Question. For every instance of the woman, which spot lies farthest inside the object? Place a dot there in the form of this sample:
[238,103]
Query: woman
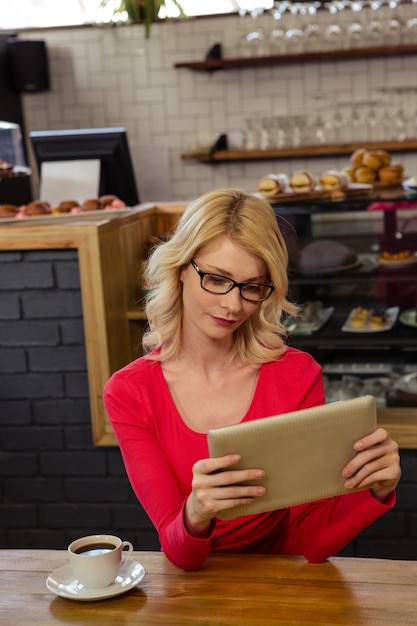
[216,355]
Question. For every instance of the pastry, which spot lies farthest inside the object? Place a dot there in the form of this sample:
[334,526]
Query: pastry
[384,157]
[391,174]
[365,175]
[272,184]
[359,317]
[378,319]
[399,257]
[38,208]
[107,200]
[302,182]
[334,180]
[7,210]
[116,204]
[356,157]
[375,159]
[93,204]
[323,254]
[66,205]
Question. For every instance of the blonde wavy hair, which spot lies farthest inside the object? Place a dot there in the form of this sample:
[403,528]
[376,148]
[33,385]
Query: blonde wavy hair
[249,222]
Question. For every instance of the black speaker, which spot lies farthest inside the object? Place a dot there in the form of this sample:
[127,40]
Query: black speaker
[29,64]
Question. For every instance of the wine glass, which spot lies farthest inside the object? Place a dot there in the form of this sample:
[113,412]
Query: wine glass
[411,30]
[312,30]
[277,35]
[251,135]
[295,33]
[255,38]
[266,134]
[373,117]
[395,27]
[334,33]
[355,30]
[375,27]
[280,132]
[318,123]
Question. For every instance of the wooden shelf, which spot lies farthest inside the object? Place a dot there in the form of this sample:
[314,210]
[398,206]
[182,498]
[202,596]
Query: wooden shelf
[213,65]
[136,314]
[304,151]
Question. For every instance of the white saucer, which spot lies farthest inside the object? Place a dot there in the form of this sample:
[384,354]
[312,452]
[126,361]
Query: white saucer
[62,583]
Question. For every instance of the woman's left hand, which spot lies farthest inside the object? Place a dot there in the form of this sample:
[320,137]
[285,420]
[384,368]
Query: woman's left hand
[376,465]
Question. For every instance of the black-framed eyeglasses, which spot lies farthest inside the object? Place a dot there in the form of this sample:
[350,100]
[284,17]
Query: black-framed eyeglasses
[219,285]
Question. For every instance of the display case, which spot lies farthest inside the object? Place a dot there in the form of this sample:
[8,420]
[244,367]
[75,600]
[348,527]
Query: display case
[382,362]
[358,314]
[111,249]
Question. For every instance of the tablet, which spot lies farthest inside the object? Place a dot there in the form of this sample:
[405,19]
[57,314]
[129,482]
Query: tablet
[302,452]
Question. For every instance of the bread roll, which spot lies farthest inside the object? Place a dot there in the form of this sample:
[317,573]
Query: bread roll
[302,182]
[8,210]
[93,204]
[371,160]
[359,317]
[38,208]
[272,184]
[66,205]
[357,156]
[384,157]
[107,200]
[365,175]
[333,180]
[391,174]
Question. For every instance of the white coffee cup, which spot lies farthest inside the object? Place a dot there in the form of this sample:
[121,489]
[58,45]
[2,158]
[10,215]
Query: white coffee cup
[96,559]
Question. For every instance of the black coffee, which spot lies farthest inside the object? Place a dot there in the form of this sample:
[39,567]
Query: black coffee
[95,548]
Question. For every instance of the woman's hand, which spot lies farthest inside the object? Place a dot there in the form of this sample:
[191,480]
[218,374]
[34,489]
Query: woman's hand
[376,466]
[216,487]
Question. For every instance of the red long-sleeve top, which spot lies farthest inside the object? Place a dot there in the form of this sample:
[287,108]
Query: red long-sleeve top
[159,450]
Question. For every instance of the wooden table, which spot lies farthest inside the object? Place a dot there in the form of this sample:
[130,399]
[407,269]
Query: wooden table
[236,590]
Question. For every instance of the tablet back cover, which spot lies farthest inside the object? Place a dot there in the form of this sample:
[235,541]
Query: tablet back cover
[302,452]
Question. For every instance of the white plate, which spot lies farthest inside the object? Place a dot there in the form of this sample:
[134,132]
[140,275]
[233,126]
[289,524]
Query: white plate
[409,317]
[391,313]
[408,383]
[410,183]
[62,583]
[394,264]
[300,328]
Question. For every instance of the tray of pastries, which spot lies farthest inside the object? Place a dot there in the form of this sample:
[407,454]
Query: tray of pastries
[39,211]
[374,167]
[397,259]
[303,186]
[370,320]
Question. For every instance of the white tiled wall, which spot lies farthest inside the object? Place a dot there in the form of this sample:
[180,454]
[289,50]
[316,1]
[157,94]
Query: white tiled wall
[115,77]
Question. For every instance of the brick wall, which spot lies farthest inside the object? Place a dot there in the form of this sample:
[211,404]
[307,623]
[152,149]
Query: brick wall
[54,484]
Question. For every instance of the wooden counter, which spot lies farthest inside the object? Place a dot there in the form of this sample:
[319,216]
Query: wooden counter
[237,590]
[110,247]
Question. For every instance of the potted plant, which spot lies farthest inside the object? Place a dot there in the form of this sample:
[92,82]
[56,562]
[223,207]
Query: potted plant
[139,11]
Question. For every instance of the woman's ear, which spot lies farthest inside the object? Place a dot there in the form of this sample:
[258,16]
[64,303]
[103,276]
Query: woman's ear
[182,273]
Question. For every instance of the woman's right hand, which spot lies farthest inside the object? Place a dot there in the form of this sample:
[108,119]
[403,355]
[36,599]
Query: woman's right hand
[216,487]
